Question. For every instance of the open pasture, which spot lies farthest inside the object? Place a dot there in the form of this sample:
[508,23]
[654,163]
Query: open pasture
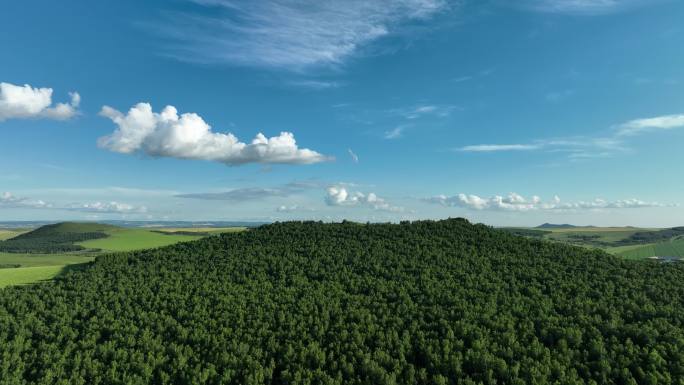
[24,275]
[10,233]
[674,248]
[127,239]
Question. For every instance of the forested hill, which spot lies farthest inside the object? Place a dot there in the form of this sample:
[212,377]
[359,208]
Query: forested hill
[56,238]
[309,303]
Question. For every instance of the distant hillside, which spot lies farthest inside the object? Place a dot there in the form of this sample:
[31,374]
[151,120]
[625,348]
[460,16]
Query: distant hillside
[57,238]
[139,224]
[558,226]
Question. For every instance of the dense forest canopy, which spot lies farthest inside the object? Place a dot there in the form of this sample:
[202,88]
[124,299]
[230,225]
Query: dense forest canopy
[309,303]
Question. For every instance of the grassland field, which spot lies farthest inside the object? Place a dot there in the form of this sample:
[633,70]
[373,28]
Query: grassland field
[608,238]
[11,233]
[40,267]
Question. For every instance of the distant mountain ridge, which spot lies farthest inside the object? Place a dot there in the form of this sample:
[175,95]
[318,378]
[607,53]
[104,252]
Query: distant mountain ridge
[559,226]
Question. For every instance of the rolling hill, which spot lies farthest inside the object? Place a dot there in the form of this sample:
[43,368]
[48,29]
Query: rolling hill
[28,256]
[56,238]
[427,302]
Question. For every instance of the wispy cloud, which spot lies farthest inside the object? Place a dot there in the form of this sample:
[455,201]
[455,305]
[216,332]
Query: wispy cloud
[589,147]
[499,147]
[395,133]
[254,193]
[641,126]
[188,136]
[516,202]
[106,208]
[423,110]
[352,154]
[294,209]
[25,102]
[289,34]
[315,84]
[559,96]
[480,74]
[579,7]
[576,148]
[11,201]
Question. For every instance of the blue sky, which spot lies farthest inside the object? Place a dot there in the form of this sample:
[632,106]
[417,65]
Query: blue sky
[504,112]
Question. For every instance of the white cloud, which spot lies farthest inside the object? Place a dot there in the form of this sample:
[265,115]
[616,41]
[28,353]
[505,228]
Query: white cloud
[188,136]
[579,7]
[516,202]
[640,126]
[340,196]
[23,102]
[289,34]
[106,207]
[10,201]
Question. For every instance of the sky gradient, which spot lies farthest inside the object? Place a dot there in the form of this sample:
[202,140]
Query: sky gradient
[503,112]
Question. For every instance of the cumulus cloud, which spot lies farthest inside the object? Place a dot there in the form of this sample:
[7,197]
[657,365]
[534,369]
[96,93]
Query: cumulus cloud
[23,102]
[289,34]
[516,202]
[106,207]
[188,136]
[11,201]
[640,126]
[340,196]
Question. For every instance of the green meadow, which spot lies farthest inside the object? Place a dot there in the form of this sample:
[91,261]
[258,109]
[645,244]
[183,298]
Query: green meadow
[24,275]
[10,233]
[611,239]
[135,239]
[25,268]
[673,248]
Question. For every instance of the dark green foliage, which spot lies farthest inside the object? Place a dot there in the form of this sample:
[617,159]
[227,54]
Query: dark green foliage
[527,232]
[584,237]
[309,303]
[57,238]
[9,265]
